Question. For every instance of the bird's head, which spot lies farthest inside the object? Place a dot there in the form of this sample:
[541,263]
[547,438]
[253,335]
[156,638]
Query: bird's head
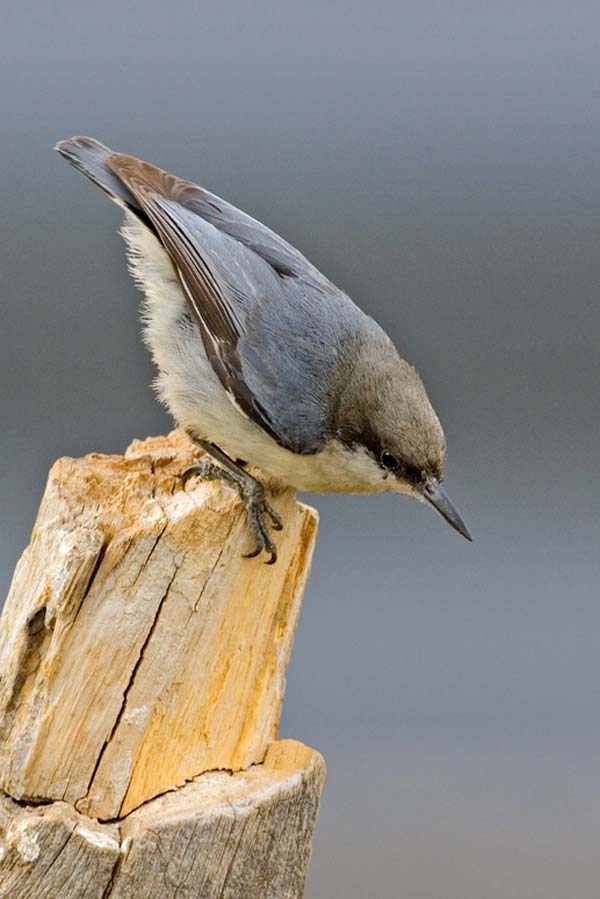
[386,420]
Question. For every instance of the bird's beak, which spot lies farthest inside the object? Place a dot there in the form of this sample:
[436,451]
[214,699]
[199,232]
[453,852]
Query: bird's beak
[434,493]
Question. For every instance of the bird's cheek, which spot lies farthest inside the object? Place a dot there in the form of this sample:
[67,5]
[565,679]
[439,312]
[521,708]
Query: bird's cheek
[401,486]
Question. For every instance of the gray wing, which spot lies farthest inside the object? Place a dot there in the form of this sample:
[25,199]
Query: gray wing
[285,259]
[271,324]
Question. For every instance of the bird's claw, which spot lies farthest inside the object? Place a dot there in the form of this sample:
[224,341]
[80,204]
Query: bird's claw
[257,510]
[191,472]
[276,520]
[207,470]
[252,494]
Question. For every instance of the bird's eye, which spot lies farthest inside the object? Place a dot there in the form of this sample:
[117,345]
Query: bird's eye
[389,461]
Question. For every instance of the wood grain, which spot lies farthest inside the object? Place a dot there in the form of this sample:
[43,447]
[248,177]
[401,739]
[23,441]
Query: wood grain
[138,649]
[221,836]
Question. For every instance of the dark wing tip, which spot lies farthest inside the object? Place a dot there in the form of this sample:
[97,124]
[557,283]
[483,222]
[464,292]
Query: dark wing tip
[72,147]
[92,159]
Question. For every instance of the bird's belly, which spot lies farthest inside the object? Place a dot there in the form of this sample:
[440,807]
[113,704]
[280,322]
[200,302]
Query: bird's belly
[192,391]
[199,403]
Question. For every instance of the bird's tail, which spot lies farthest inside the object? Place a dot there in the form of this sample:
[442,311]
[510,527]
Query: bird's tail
[89,156]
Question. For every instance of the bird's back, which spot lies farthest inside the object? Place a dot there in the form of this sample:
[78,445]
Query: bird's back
[271,324]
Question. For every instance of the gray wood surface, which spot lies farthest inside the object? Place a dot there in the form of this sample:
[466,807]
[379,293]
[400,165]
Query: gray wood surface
[221,836]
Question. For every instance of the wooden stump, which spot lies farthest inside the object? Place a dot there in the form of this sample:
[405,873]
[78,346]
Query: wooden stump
[142,672]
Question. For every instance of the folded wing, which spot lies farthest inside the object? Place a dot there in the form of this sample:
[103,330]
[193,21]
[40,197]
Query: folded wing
[270,322]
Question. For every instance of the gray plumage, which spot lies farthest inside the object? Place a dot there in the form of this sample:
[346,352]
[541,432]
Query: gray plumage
[315,392]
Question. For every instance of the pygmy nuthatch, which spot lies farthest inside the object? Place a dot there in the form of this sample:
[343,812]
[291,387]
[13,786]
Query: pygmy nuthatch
[260,358]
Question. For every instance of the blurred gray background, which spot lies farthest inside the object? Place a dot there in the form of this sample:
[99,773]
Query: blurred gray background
[441,162]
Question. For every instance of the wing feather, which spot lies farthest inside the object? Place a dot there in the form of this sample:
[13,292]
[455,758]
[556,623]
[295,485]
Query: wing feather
[208,294]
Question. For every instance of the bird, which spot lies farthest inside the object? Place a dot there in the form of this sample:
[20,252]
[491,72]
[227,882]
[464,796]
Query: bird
[260,358]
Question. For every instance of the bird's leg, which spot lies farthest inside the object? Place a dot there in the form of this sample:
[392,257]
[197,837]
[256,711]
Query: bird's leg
[251,491]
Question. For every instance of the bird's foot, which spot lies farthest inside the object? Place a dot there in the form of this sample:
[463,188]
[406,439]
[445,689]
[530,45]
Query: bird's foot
[253,495]
[208,471]
[258,510]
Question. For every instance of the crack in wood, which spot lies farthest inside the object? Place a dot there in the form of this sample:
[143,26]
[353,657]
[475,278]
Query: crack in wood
[180,664]
[134,671]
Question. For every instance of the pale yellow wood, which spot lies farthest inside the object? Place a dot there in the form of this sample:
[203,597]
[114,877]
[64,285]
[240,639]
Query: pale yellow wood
[221,836]
[137,648]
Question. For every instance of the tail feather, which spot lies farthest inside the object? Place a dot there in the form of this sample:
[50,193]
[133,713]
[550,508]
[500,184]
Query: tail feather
[89,157]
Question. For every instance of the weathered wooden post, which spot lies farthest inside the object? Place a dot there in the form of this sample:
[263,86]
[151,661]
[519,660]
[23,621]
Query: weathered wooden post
[142,672]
